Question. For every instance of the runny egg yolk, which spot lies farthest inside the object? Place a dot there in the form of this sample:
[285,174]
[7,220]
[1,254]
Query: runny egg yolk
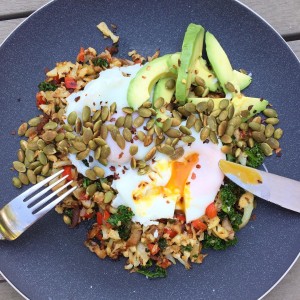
[175,187]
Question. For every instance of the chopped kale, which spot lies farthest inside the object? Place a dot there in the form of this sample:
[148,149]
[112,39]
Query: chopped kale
[100,62]
[152,273]
[86,182]
[216,243]
[122,221]
[47,86]
[255,156]
[68,212]
[187,248]
[162,243]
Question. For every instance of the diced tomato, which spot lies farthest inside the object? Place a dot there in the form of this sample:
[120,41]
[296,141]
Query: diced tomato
[211,210]
[99,218]
[68,172]
[99,236]
[165,263]
[154,249]
[88,216]
[170,232]
[180,217]
[39,99]
[70,83]
[80,56]
[84,196]
[199,225]
[106,215]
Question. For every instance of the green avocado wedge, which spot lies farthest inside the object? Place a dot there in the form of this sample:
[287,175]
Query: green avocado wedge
[221,64]
[242,80]
[240,103]
[161,90]
[141,85]
[191,50]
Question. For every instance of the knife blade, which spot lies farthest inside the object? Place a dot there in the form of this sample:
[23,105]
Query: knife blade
[274,188]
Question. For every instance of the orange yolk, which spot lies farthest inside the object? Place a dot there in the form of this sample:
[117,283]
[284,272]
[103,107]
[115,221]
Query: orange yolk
[181,172]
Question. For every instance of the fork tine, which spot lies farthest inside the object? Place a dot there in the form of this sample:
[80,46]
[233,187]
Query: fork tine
[42,192]
[37,186]
[47,208]
[43,201]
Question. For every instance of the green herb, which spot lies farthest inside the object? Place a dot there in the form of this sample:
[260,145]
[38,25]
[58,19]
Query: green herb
[86,162]
[162,243]
[68,212]
[86,182]
[100,62]
[216,243]
[122,220]
[187,248]
[255,156]
[47,86]
[157,272]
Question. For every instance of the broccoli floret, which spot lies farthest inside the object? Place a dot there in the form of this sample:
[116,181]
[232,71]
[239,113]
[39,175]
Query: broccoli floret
[255,156]
[216,243]
[47,86]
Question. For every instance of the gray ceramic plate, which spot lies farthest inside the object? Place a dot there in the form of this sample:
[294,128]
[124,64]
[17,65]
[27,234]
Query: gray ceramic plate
[50,261]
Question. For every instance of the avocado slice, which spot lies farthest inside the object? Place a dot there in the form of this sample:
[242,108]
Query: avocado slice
[191,50]
[243,80]
[160,90]
[240,103]
[220,64]
[141,85]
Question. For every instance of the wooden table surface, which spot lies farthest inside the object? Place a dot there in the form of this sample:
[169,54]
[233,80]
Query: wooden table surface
[283,15]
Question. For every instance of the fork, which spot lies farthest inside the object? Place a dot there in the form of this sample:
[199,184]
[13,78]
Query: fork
[20,213]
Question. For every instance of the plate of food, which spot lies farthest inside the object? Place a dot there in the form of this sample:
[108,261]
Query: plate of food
[138,109]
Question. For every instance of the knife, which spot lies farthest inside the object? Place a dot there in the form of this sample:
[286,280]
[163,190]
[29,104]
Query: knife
[276,189]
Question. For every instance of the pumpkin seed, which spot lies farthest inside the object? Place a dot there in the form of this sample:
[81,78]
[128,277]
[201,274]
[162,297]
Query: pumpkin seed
[87,135]
[159,102]
[138,122]
[201,106]
[97,126]
[204,134]
[229,130]
[105,151]
[167,124]
[254,126]
[133,150]
[104,113]
[144,112]
[262,128]
[103,161]
[30,155]
[60,136]
[210,105]
[258,136]
[231,111]
[144,171]
[185,130]
[230,87]
[273,143]
[200,81]
[244,126]
[272,121]
[216,112]
[159,140]
[212,123]
[103,132]
[183,111]
[68,127]
[127,134]
[141,135]
[128,121]
[147,104]
[222,128]
[224,104]
[133,163]
[92,145]
[52,158]
[226,149]
[241,144]
[205,93]
[96,116]
[150,123]
[49,136]
[278,133]
[148,140]
[63,147]
[158,130]
[257,119]
[198,125]
[176,122]
[113,108]
[226,139]
[267,150]
[67,220]
[176,114]
[99,172]
[168,141]
[150,153]
[99,141]
[31,176]
[31,132]
[177,153]
[21,155]
[80,146]
[45,169]
[120,121]
[235,121]
[90,174]
[188,139]
[17,182]
[223,115]
[170,84]
[19,166]
[270,113]
[78,126]
[34,165]
[166,149]
[23,178]
[22,129]
[83,154]
[173,133]
[38,170]
[108,197]
[39,178]
[97,153]
[199,90]
[86,113]
[245,113]
[175,142]
[190,121]
[269,130]
[237,152]
[52,125]
[120,140]
[190,107]
[23,145]
[127,110]
[42,158]
[34,122]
